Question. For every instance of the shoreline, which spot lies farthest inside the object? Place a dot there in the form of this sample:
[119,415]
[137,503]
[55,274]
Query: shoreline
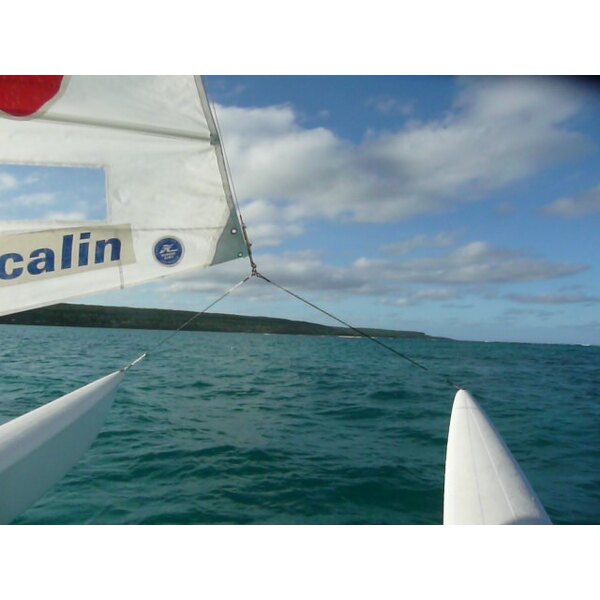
[122,317]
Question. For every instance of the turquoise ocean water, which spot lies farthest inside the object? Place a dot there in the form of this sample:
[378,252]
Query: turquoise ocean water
[250,428]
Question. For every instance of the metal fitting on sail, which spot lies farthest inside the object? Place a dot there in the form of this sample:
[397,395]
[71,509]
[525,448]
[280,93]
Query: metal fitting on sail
[214,139]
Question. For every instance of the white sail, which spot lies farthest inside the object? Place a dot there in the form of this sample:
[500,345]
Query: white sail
[169,203]
[169,210]
[38,448]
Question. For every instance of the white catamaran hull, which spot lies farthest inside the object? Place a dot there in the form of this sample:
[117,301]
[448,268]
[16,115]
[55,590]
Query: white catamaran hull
[38,448]
[484,484]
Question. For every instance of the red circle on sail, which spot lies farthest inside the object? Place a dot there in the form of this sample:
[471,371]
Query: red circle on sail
[24,95]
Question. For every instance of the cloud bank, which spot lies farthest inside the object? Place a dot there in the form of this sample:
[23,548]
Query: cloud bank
[463,270]
[498,132]
[580,205]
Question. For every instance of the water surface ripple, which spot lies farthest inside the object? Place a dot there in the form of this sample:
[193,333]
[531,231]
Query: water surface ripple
[249,428]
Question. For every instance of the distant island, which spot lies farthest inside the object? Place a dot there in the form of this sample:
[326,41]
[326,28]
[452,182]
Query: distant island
[85,315]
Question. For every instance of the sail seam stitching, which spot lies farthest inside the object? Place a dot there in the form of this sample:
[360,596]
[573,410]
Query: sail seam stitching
[117,126]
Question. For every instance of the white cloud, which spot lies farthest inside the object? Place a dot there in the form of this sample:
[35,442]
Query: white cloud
[467,269]
[389,105]
[16,206]
[518,313]
[273,159]
[8,182]
[269,223]
[505,208]
[436,294]
[37,199]
[585,203]
[422,241]
[500,131]
[559,298]
[473,263]
[65,216]
[223,88]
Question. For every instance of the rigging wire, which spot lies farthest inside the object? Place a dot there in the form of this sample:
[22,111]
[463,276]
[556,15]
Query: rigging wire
[256,273]
[190,320]
[359,331]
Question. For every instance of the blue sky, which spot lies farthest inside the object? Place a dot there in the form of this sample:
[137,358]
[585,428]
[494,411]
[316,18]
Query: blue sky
[463,207]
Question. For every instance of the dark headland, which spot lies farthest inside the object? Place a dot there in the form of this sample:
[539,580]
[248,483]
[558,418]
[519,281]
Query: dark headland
[84,315]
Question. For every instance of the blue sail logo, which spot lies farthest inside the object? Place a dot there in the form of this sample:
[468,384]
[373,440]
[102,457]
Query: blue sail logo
[39,255]
[168,251]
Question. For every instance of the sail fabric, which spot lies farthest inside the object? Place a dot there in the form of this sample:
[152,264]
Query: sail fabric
[169,202]
[38,448]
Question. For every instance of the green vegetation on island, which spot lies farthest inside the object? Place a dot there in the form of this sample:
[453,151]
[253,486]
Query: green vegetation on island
[84,315]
